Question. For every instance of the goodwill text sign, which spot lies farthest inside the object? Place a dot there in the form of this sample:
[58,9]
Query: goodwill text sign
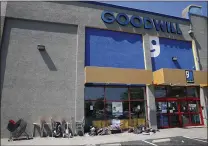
[138,22]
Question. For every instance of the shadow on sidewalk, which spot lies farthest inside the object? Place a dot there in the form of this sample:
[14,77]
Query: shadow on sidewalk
[22,138]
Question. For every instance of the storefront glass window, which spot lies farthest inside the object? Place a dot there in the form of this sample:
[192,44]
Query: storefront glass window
[160,92]
[121,111]
[180,107]
[174,120]
[104,104]
[94,109]
[137,109]
[94,93]
[193,106]
[162,107]
[192,92]
[185,119]
[172,107]
[116,93]
[94,113]
[184,106]
[136,93]
[195,119]
[176,92]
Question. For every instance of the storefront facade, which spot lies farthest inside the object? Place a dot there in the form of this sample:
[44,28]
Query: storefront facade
[100,62]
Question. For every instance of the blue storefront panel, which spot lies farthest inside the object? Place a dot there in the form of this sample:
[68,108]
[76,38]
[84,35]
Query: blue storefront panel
[169,48]
[106,48]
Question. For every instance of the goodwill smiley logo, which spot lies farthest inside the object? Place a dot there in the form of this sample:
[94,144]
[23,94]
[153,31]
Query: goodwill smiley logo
[154,46]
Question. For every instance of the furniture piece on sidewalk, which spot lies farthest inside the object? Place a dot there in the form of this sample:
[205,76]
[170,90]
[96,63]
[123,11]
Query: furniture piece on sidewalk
[116,126]
[37,125]
[59,120]
[67,127]
[42,123]
[80,126]
[17,129]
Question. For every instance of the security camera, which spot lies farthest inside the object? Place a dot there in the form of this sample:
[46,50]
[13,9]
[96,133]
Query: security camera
[191,33]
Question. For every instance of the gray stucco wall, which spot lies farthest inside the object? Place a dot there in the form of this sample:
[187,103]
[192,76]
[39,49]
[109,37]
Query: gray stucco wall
[84,14]
[151,109]
[199,24]
[3,13]
[37,83]
[42,84]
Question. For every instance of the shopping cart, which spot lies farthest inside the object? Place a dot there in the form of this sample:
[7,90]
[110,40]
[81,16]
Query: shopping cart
[17,129]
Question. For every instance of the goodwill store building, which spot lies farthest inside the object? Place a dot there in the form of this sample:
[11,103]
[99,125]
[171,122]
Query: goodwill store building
[99,62]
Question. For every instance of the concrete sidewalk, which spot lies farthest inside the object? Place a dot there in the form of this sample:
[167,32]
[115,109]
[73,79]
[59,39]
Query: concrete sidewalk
[192,132]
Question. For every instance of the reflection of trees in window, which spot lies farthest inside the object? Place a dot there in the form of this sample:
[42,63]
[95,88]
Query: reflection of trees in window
[137,93]
[124,95]
[137,109]
[102,106]
[116,93]
[99,103]
[97,110]
[93,93]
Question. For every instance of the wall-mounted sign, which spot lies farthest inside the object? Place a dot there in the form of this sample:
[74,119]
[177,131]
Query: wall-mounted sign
[138,22]
[189,76]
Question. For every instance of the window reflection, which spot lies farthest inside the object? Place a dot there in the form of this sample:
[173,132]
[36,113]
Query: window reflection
[195,119]
[172,107]
[94,93]
[160,92]
[136,93]
[174,120]
[116,93]
[176,92]
[192,92]
[137,109]
[94,109]
[100,103]
[185,119]
[161,107]
[162,120]
[184,106]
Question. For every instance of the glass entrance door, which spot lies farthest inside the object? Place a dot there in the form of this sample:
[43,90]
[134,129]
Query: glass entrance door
[174,112]
[190,112]
[168,113]
[178,106]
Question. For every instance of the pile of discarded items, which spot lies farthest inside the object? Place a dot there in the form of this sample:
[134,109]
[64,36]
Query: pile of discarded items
[112,129]
[141,129]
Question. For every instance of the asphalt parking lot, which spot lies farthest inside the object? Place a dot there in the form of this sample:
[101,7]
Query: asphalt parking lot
[172,141]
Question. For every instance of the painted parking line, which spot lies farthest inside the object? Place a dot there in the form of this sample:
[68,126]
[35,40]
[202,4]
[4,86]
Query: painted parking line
[149,142]
[161,140]
[195,139]
[113,144]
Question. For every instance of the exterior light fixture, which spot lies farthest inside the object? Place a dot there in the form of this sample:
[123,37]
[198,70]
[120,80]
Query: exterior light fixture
[174,58]
[41,47]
